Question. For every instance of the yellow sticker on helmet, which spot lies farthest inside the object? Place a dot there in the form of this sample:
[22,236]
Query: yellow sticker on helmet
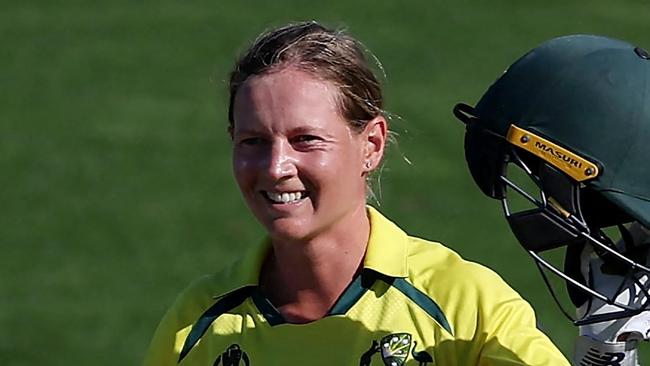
[570,163]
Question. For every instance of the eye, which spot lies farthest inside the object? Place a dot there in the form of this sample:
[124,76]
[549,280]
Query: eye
[252,141]
[305,139]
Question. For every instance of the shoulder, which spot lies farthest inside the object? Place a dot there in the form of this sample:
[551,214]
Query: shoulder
[239,273]
[204,291]
[199,293]
[479,305]
[465,290]
[190,303]
[431,264]
[172,331]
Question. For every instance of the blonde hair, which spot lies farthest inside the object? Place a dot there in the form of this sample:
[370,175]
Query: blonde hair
[327,54]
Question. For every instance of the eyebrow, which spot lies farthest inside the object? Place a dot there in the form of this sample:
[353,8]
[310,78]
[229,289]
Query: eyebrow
[310,129]
[245,131]
[296,130]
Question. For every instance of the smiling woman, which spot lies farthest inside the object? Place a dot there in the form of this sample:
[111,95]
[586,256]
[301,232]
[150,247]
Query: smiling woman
[335,282]
[298,163]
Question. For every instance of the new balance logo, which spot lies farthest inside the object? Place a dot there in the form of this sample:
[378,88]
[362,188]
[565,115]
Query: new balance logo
[594,358]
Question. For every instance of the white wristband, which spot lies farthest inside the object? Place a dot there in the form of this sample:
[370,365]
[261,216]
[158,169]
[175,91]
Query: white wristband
[591,352]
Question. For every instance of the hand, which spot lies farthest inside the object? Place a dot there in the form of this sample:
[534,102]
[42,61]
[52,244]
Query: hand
[618,281]
[609,334]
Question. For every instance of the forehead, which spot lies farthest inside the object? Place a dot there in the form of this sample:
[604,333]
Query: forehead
[286,97]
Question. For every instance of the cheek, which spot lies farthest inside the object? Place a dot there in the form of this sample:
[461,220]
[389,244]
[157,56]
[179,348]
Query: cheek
[241,168]
[337,170]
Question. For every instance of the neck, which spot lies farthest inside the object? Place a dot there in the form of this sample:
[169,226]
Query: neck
[304,279]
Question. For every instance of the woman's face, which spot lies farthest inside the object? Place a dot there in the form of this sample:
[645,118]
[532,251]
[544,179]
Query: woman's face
[297,163]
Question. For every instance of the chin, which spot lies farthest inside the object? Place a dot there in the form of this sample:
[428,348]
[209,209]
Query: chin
[286,229]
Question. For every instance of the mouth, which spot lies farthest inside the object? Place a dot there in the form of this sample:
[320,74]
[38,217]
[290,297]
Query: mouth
[287,197]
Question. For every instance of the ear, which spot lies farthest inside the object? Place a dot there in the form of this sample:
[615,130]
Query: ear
[374,136]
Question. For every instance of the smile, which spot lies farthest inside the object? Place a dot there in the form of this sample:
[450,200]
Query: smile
[285,197]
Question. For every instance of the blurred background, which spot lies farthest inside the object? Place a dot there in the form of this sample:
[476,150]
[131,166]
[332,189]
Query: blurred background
[115,183]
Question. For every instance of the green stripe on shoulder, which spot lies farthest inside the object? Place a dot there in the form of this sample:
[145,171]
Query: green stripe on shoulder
[223,304]
[423,301]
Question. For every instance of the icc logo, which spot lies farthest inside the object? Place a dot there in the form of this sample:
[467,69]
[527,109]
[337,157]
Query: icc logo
[232,356]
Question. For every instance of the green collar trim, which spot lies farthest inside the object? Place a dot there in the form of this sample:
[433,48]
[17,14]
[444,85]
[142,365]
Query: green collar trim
[355,290]
[270,313]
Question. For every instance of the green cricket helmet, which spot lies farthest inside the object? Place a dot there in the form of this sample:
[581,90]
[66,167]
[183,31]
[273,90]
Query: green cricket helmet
[574,114]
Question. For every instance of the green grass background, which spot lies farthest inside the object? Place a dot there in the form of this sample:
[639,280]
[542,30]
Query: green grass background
[115,181]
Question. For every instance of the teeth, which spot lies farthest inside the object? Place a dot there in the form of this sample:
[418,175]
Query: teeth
[284,197]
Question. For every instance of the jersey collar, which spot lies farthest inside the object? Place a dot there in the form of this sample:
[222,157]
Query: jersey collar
[386,253]
[387,250]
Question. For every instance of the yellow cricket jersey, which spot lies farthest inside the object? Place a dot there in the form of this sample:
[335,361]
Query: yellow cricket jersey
[415,303]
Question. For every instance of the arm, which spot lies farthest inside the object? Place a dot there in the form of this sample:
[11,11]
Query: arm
[506,329]
[514,339]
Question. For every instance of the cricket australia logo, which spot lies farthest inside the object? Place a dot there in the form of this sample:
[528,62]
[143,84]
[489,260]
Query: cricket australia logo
[395,350]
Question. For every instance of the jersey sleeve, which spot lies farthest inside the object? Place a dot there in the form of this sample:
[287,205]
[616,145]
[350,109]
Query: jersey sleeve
[515,340]
[492,325]
[510,332]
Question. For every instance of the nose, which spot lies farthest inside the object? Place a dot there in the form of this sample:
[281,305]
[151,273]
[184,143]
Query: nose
[282,160]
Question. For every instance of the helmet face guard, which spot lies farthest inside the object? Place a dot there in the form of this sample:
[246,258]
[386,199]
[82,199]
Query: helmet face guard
[564,213]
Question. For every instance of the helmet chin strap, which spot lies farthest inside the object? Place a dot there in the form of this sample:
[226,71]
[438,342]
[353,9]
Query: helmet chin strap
[556,222]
